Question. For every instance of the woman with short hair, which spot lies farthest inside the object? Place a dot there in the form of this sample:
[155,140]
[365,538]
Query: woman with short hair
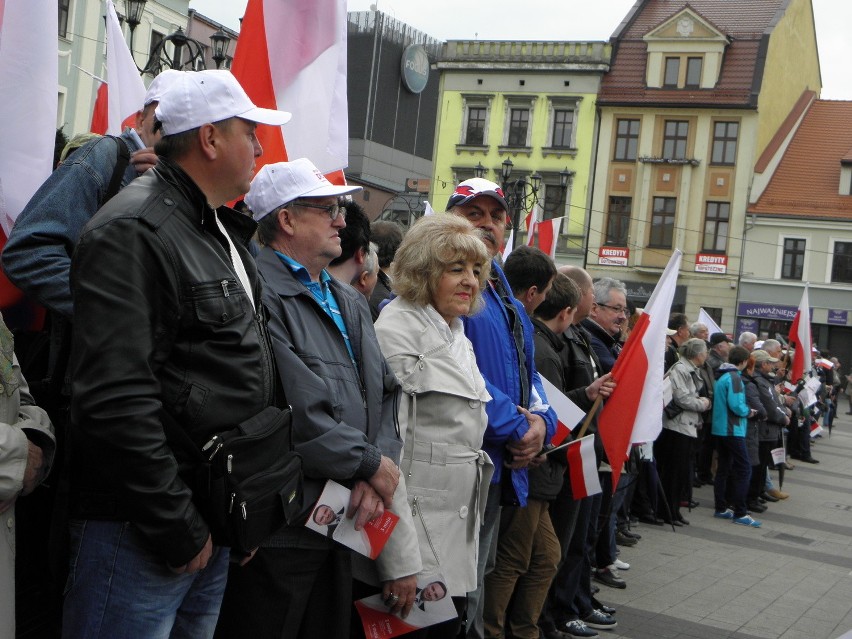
[438,273]
[674,446]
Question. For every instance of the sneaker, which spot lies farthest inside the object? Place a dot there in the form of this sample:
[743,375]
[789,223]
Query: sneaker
[597,605]
[577,628]
[599,620]
[621,565]
[747,520]
[608,578]
[725,514]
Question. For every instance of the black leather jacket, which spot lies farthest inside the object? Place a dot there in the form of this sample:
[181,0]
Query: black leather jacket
[160,323]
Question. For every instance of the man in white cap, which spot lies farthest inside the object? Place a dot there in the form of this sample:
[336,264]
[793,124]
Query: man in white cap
[37,259]
[299,584]
[168,337]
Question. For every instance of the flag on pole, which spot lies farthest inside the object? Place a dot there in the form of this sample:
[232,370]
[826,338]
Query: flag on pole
[568,414]
[548,236]
[800,338]
[291,55]
[704,318]
[126,91]
[29,76]
[100,114]
[583,468]
[510,241]
[532,226]
[634,411]
[427,209]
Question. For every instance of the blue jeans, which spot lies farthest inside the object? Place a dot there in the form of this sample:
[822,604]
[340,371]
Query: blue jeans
[117,588]
[484,562]
[733,473]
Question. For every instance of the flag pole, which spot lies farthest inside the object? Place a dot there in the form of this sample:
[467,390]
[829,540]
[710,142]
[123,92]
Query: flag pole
[589,416]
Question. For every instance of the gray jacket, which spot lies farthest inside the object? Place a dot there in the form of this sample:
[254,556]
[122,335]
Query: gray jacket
[344,417]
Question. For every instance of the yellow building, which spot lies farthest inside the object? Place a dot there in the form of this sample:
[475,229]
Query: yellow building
[533,104]
[695,92]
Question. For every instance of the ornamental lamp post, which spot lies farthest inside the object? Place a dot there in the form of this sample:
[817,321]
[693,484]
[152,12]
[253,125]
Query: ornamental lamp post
[219,42]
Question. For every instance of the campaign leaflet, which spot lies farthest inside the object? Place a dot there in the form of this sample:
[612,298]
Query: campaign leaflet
[329,518]
[431,606]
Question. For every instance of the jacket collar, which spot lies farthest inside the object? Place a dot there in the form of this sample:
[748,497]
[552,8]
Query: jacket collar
[544,330]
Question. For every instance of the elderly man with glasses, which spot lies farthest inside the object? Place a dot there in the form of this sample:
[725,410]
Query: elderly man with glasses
[300,584]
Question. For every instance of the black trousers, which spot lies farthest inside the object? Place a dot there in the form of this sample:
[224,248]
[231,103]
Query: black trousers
[673,451]
[289,593]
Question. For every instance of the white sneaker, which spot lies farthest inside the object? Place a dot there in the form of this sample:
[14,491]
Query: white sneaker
[621,565]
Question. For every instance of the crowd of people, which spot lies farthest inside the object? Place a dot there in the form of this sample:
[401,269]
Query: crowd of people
[412,365]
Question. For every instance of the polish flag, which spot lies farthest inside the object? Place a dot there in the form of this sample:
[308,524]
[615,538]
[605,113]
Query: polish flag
[583,468]
[126,92]
[100,114]
[29,76]
[800,339]
[704,318]
[532,226]
[548,235]
[291,55]
[634,411]
[507,249]
[568,414]
[816,429]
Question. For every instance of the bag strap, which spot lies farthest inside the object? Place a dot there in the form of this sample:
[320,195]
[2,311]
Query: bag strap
[122,160]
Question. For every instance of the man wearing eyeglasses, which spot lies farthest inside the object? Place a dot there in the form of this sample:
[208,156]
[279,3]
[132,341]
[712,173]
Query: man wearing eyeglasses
[299,584]
[607,317]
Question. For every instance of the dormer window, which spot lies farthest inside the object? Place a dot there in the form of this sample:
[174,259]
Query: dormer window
[684,52]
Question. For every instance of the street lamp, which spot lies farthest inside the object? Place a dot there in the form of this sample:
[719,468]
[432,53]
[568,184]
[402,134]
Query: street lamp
[521,194]
[134,10]
[479,171]
[219,42]
[161,59]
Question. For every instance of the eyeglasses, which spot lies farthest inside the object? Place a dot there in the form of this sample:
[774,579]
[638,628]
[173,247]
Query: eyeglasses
[334,210]
[618,310]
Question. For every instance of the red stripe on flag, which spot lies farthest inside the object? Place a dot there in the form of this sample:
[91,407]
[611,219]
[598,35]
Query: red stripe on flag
[615,422]
[562,431]
[575,471]
[251,68]
[100,114]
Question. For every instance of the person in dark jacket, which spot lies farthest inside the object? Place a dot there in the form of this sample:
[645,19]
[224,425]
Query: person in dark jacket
[343,396]
[167,319]
[570,604]
[387,236]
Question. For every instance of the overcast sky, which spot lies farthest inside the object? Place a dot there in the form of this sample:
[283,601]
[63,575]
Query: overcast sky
[566,20]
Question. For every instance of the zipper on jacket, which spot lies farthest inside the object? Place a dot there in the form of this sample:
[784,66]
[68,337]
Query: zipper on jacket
[224,284]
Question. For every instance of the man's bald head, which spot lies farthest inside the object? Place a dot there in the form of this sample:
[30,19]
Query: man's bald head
[587,292]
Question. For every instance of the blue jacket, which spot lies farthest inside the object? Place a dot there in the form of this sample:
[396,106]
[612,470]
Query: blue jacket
[730,408]
[489,332]
[37,256]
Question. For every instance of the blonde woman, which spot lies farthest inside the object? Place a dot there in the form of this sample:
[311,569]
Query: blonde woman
[438,272]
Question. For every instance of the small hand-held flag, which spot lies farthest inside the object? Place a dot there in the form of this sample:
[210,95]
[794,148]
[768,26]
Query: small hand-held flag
[583,468]
[568,414]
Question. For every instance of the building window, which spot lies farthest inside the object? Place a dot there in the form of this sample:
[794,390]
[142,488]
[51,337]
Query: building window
[662,222]
[841,266]
[716,227]
[618,221]
[519,123]
[674,139]
[693,73]
[725,142]
[554,202]
[793,259]
[64,9]
[672,72]
[563,128]
[475,132]
[156,39]
[626,140]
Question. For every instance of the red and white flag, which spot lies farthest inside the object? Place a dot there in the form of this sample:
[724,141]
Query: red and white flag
[510,241]
[29,77]
[568,414]
[126,91]
[583,468]
[291,55]
[532,226]
[800,339]
[634,411]
[548,235]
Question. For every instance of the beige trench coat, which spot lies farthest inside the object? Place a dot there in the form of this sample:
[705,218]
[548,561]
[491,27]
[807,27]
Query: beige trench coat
[17,416]
[442,421]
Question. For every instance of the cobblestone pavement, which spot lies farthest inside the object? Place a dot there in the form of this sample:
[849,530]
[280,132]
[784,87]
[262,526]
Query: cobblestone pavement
[790,579]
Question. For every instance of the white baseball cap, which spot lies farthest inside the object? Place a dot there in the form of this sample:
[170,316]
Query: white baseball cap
[283,182]
[202,97]
[160,84]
